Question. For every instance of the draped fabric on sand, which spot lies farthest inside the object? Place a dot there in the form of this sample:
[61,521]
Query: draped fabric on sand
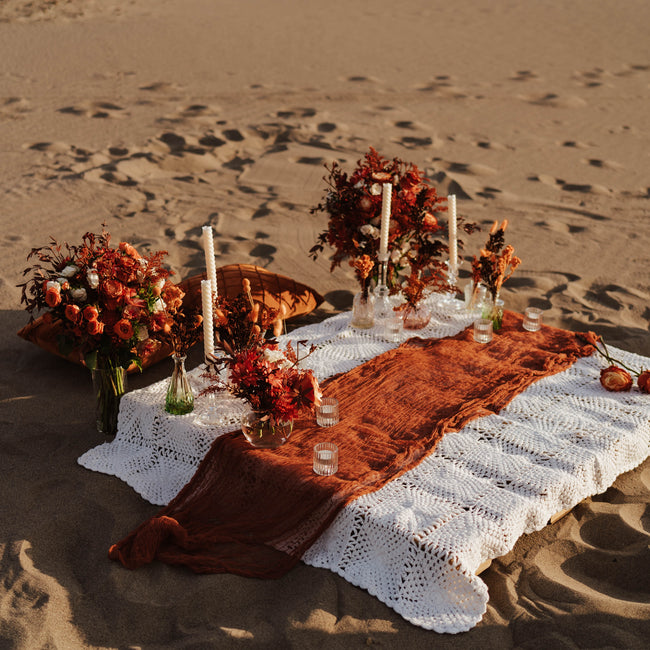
[255,512]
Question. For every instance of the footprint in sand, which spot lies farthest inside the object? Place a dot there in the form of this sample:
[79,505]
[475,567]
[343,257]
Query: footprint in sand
[14,108]
[524,75]
[553,100]
[412,142]
[95,110]
[471,169]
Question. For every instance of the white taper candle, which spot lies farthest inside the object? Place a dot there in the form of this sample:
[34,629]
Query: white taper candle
[208,318]
[208,247]
[453,233]
[386,196]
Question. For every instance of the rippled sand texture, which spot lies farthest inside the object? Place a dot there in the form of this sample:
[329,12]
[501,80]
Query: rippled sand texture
[160,116]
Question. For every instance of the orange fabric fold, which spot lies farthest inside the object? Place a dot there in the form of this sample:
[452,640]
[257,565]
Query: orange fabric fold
[255,512]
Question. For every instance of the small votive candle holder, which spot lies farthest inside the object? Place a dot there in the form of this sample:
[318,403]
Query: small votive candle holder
[327,413]
[392,328]
[532,319]
[326,458]
[482,330]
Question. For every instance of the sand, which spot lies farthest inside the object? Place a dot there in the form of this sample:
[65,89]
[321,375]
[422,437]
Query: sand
[160,116]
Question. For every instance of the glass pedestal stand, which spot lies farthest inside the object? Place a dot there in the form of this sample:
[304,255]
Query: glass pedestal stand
[212,415]
[448,299]
[383,306]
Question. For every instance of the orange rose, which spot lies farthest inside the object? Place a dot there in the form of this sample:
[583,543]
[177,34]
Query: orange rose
[72,312]
[173,296]
[643,381]
[129,250]
[112,288]
[123,329]
[53,298]
[429,221]
[94,327]
[616,379]
[308,390]
[90,312]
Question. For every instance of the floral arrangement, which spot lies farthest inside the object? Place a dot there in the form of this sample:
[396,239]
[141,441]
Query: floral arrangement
[617,377]
[259,372]
[107,299]
[182,328]
[353,204]
[494,265]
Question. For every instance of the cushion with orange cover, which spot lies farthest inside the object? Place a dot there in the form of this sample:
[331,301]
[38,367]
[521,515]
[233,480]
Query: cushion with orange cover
[270,289]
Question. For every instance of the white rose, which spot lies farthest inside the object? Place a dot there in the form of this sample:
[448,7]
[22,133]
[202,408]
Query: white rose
[358,185]
[375,189]
[93,278]
[159,305]
[142,332]
[275,356]
[369,231]
[53,284]
[69,271]
[79,295]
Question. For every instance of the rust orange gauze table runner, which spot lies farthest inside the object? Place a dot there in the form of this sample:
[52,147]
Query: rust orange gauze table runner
[255,512]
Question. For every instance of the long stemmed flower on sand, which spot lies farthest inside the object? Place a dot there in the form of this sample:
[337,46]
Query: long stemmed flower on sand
[617,377]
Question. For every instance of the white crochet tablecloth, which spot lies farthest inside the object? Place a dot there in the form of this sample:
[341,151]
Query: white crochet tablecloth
[417,542]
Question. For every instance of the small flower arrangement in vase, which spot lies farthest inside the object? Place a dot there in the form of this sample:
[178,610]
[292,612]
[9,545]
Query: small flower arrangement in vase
[181,329]
[416,237]
[106,302]
[259,372]
[495,264]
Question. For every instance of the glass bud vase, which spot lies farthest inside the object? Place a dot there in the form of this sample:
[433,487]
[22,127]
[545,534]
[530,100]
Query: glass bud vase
[363,310]
[493,310]
[109,384]
[179,399]
[263,431]
[416,317]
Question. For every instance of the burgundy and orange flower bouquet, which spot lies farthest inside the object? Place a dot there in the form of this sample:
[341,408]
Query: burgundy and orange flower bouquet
[108,304]
[268,378]
[417,240]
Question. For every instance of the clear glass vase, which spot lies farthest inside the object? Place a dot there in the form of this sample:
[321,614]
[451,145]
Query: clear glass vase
[363,310]
[109,384]
[263,431]
[416,317]
[493,310]
[179,399]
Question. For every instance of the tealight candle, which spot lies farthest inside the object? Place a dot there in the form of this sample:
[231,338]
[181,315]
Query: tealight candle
[386,196]
[208,247]
[208,331]
[453,234]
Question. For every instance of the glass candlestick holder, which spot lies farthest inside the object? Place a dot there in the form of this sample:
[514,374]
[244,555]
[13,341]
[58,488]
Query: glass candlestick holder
[448,299]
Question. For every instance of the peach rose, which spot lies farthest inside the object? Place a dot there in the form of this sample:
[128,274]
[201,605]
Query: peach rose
[72,312]
[643,382]
[53,297]
[616,379]
[123,329]
[94,327]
